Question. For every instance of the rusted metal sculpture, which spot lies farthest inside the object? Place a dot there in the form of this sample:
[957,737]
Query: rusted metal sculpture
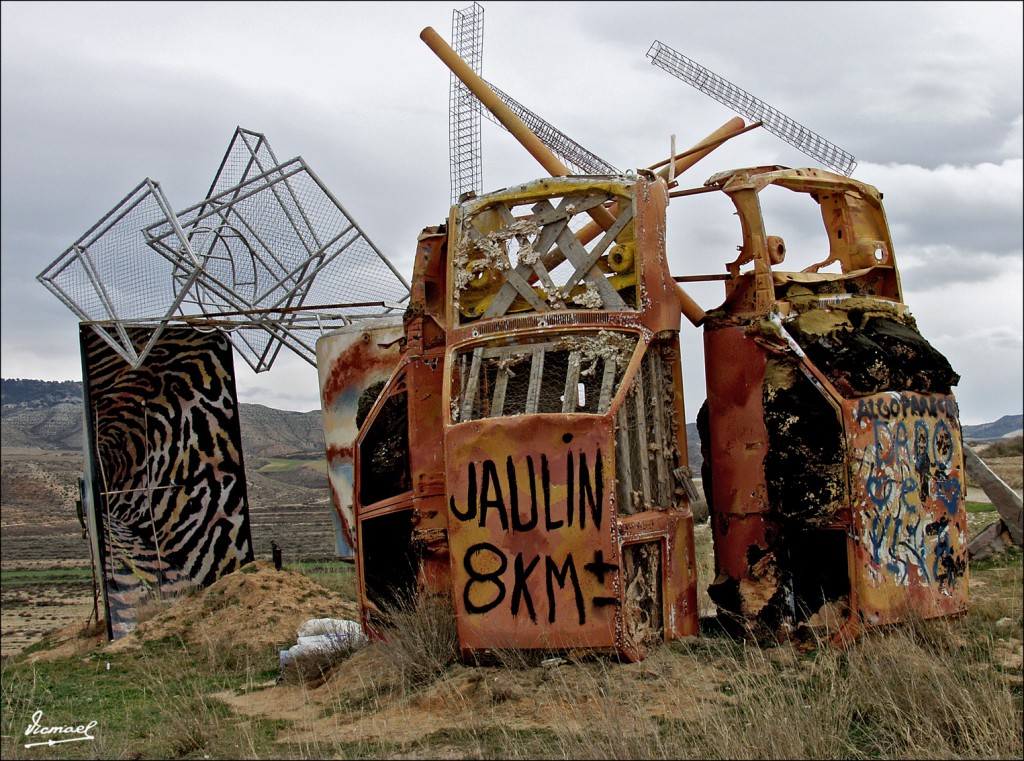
[834,448]
[557,512]
[526,459]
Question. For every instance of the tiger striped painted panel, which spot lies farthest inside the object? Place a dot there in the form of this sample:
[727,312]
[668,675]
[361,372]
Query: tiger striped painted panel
[166,468]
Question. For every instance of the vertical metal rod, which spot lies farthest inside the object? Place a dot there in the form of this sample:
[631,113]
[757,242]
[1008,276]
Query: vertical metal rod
[570,396]
[607,385]
[624,466]
[526,137]
[640,400]
[472,386]
[536,377]
[662,435]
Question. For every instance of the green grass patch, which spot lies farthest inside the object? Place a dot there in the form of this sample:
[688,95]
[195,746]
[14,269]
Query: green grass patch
[25,576]
[156,703]
[980,507]
[280,465]
[336,575]
[946,679]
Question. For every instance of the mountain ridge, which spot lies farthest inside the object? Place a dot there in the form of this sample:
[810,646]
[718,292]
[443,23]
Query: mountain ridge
[48,415]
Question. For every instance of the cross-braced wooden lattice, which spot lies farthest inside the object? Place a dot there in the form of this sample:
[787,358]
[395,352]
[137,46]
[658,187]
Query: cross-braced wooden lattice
[535,262]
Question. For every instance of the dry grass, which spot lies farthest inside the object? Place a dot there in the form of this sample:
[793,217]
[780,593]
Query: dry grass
[946,688]
[421,642]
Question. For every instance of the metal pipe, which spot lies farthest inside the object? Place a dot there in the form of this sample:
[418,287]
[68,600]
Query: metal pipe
[708,143]
[526,137]
[690,308]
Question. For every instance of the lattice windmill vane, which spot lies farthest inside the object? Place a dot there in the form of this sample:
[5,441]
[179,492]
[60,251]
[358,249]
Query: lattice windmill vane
[267,257]
[466,110]
[745,104]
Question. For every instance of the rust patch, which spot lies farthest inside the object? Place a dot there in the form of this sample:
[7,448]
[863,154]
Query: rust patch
[359,362]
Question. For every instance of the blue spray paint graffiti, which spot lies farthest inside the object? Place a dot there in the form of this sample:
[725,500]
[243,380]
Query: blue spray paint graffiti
[910,494]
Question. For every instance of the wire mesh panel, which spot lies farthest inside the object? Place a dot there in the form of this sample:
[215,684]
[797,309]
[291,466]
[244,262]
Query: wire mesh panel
[277,242]
[742,102]
[464,112]
[249,154]
[112,275]
[568,150]
[268,245]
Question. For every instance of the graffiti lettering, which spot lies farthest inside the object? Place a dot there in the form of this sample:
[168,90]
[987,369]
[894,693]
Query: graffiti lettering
[492,494]
[486,564]
[478,576]
[568,569]
[530,494]
[906,404]
[905,478]
[931,445]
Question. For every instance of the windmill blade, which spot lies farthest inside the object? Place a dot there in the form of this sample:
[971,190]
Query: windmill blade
[747,105]
[563,146]
[270,249]
[464,109]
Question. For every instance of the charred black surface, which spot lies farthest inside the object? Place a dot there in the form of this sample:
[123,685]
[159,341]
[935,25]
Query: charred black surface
[389,559]
[818,563]
[366,402]
[806,453]
[879,353]
[384,452]
[704,432]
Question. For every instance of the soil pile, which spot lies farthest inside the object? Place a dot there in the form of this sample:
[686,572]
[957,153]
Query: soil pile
[257,606]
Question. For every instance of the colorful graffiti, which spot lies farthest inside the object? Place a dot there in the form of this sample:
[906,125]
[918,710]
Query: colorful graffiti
[911,525]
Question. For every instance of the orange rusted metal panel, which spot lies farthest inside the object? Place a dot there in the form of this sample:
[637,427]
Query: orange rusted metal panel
[399,491]
[527,457]
[568,517]
[532,532]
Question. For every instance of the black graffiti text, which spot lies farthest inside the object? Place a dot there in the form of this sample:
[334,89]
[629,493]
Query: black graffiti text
[889,407]
[501,492]
[486,565]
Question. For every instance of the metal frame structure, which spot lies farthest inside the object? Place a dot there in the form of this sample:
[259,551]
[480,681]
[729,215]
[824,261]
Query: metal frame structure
[464,114]
[563,146]
[110,274]
[269,249]
[465,110]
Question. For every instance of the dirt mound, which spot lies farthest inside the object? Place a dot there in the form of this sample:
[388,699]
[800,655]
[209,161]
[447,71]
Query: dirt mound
[257,607]
[76,638]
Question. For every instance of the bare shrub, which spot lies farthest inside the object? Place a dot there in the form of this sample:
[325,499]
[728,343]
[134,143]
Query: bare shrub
[421,638]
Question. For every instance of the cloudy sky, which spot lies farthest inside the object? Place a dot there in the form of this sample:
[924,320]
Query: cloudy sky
[927,97]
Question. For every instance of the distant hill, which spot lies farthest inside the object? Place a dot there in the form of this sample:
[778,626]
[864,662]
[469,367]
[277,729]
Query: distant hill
[1007,425]
[48,415]
[39,392]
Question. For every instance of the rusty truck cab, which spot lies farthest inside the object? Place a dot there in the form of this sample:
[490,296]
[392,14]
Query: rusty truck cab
[566,482]
[399,479]
[832,438]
